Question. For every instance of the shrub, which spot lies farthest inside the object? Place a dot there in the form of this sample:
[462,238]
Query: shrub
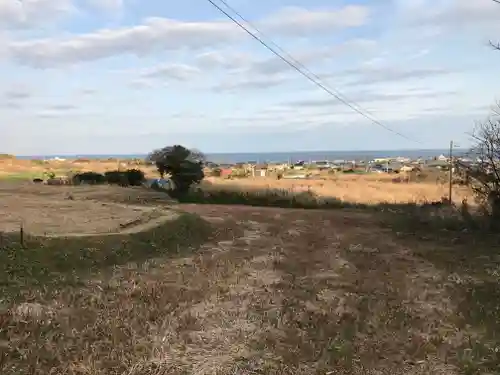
[89,177]
[49,174]
[135,177]
[114,177]
[132,177]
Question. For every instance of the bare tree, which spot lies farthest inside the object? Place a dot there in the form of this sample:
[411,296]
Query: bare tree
[484,176]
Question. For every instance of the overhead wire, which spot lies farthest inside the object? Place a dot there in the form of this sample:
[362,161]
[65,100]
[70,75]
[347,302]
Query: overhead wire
[297,65]
[293,59]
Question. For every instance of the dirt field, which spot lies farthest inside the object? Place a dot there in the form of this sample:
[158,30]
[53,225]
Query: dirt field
[70,210]
[273,291]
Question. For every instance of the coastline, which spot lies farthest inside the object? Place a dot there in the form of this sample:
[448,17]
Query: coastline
[292,156]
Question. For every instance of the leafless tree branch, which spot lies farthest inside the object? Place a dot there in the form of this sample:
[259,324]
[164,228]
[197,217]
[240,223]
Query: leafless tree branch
[495,46]
[484,175]
[492,44]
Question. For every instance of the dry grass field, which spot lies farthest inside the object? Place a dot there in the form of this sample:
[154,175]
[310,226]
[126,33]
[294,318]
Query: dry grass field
[76,210]
[17,168]
[368,189]
[241,290]
[256,291]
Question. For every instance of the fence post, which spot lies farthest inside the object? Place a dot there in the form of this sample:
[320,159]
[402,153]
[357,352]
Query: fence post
[21,235]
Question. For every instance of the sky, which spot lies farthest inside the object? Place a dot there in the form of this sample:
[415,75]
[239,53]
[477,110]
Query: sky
[129,76]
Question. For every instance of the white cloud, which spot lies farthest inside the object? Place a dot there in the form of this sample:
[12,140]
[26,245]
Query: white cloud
[300,21]
[107,5]
[218,59]
[62,107]
[367,97]
[156,34]
[479,13]
[373,75]
[87,91]
[274,64]
[30,13]
[18,92]
[161,34]
[251,83]
[178,72]
[244,71]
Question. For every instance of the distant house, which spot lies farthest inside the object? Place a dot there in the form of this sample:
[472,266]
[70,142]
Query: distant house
[322,164]
[409,168]
[299,165]
[442,158]
[438,164]
[224,172]
[261,172]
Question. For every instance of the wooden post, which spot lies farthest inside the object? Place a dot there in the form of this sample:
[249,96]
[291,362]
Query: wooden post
[21,235]
[450,182]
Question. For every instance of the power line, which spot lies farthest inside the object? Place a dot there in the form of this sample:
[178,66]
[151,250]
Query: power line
[290,57]
[294,64]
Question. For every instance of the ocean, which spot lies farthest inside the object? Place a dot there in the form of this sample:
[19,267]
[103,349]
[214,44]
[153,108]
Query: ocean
[293,156]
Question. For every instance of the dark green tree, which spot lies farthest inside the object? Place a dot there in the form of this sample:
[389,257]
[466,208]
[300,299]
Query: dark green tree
[184,166]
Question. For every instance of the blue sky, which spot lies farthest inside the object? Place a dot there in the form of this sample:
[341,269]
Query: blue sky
[128,76]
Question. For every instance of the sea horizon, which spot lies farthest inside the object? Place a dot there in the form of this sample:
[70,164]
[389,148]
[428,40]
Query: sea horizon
[291,156]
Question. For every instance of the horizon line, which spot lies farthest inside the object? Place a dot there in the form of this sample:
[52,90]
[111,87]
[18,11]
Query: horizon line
[245,152]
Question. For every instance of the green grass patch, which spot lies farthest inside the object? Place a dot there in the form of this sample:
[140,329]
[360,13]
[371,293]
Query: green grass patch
[49,263]
[20,176]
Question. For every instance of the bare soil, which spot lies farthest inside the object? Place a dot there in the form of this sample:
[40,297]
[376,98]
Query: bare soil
[82,210]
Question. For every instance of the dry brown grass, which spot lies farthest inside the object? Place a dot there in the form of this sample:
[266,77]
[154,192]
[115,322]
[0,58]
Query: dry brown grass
[368,189]
[29,168]
[57,210]
[273,292]
[270,291]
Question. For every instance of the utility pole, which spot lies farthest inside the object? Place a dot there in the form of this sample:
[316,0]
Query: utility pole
[450,187]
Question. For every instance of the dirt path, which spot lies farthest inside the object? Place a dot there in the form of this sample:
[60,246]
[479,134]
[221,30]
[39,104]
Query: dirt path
[285,292]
